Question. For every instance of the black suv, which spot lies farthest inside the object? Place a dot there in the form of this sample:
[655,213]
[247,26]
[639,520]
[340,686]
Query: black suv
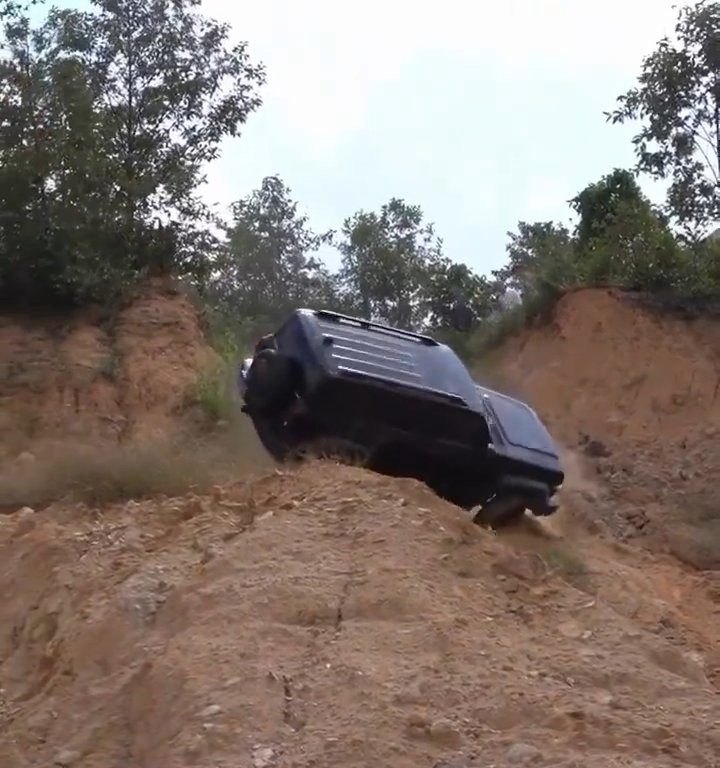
[400,403]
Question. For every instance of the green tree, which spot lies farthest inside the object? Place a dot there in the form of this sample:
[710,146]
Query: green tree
[387,262]
[33,254]
[113,115]
[677,100]
[170,89]
[266,267]
[541,259]
[598,204]
[621,239]
[452,287]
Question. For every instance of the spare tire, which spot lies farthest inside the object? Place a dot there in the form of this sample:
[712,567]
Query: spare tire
[272,381]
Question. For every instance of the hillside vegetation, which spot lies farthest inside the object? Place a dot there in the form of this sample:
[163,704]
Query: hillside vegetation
[109,116]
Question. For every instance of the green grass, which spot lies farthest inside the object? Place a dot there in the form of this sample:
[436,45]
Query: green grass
[565,562]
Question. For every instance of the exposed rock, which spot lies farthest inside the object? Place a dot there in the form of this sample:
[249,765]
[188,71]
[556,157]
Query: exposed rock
[522,754]
[263,757]
[444,732]
[66,758]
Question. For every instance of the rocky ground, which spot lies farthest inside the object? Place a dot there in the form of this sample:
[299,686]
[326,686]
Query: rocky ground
[328,616]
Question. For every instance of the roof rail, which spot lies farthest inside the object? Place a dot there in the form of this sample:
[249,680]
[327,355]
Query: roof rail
[330,315]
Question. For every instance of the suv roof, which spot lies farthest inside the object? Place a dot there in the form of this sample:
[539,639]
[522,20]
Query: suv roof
[359,348]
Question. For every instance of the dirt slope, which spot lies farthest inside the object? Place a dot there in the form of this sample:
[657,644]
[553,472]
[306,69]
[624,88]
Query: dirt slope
[327,616]
[609,366]
[332,617]
[99,377]
[638,390]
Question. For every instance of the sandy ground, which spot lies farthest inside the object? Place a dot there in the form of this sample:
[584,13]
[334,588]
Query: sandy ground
[331,617]
[327,616]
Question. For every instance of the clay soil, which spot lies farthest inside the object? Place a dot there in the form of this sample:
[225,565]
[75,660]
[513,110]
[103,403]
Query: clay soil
[328,616]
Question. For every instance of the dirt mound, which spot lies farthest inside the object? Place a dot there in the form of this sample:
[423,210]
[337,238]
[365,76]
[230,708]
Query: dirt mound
[613,368]
[637,391]
[99,377]
[329,616]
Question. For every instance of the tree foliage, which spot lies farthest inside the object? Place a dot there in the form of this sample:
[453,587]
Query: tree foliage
[457,297]
[387,258]
[107,118]
[677,101]
[541,257]
[620,239]
[266,267]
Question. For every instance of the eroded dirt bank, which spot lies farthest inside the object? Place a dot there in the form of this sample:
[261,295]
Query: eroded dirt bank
[328,616]
[99,376]
[638,391]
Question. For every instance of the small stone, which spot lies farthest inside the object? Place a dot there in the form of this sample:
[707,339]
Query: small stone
[25,521]
[66,757]
[597,450]
[209,553]
[232,682]
[25,459]
[522,754]
[263,756]
[445,733]
[211,710]
[570,629]
[193,508]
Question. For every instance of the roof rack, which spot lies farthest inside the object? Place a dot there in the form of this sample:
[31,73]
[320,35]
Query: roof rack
[337,316]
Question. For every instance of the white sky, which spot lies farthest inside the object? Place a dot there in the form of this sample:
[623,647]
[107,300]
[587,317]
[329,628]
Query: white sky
[483,113]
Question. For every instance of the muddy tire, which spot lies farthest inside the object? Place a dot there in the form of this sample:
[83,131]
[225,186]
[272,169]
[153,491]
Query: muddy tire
[501,512]
[272,382]
[272,436]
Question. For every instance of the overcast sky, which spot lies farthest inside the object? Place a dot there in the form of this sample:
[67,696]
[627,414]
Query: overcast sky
[483,113]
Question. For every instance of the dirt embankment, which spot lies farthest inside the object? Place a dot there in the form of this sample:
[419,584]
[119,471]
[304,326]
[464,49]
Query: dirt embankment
[98,377]
[638,391]
[330,616]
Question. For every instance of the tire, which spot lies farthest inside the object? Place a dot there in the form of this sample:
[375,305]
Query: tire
[270,433]
[272,382]
[501,511]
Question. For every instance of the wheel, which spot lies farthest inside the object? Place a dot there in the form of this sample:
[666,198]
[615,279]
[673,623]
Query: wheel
[501,511]
[271,434]
[272,382]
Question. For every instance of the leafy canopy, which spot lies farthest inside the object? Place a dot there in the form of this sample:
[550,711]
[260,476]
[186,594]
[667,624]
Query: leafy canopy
[677,101]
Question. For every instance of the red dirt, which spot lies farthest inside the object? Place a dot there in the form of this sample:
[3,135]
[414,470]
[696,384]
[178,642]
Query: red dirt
[613,369]
[637,390]
[331,616]
[92,379]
